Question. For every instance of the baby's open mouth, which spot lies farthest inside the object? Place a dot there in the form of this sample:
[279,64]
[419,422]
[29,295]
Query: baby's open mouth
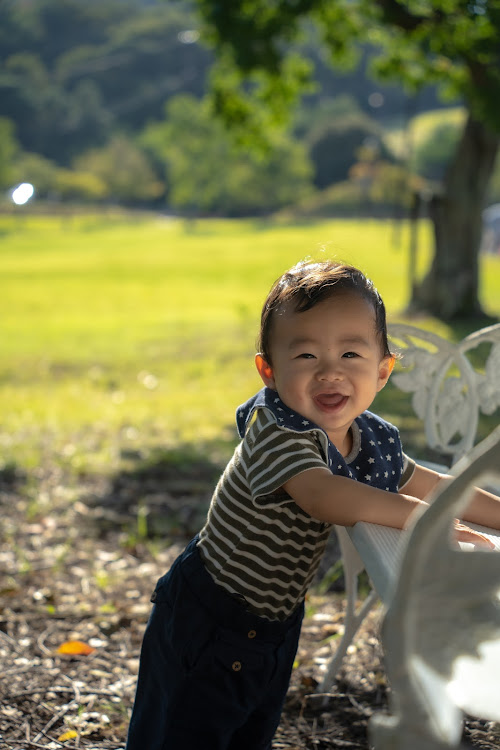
[330,401]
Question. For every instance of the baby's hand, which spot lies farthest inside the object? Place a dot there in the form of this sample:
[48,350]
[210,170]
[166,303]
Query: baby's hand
[465,534]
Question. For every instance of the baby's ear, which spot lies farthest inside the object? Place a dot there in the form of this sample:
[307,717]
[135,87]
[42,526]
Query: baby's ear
[265,371]
[385,368]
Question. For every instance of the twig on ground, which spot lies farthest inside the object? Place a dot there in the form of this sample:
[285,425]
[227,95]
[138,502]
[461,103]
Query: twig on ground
[40,641]
[62,711]
[10,641]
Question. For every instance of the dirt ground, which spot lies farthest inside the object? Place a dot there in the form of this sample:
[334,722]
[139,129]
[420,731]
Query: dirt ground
[72,570]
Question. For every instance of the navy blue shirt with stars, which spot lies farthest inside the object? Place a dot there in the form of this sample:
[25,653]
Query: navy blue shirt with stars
[376,457]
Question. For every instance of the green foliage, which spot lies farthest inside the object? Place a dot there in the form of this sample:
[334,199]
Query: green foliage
[8,150]
[373,189]
[389,184]
[78,186]
[49,120]
[207,172]
[255,106]
[124,169]
[258,74]
[74,75]
[73,72]
[433,156]
[316,115]
[434,136]
[54,182]
[334,147]
[448,42]
[41,172]
[52,27]
[342,199]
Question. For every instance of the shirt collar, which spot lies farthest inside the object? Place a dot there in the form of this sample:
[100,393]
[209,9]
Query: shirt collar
[268,398]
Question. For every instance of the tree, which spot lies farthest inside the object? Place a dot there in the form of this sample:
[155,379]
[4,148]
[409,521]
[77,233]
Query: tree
[453,43]
[124,169]
[334,147]
[39,171]
[73,72]
[205,172]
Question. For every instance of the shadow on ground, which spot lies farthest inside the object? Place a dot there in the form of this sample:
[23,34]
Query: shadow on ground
[165,495]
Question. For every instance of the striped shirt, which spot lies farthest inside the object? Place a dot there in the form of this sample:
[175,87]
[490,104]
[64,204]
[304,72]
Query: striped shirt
[257,543]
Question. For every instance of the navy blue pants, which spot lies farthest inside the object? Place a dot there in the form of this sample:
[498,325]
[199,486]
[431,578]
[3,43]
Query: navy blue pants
[212,676]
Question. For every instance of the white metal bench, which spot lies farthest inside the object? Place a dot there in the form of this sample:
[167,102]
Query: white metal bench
[449,391]
[441,630]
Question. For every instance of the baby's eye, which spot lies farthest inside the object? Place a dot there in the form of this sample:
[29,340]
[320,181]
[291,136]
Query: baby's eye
[350,355]
[306,355]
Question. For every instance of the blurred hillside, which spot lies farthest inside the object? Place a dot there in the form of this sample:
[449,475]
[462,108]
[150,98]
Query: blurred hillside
[105,101]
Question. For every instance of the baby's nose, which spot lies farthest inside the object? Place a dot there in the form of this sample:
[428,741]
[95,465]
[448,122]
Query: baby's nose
[331,371]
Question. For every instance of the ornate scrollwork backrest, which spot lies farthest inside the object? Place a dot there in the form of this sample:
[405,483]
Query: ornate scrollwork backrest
[449,391]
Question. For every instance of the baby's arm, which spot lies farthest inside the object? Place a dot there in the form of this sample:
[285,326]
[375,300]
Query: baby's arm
[336,499]
[484,508]
[339,500]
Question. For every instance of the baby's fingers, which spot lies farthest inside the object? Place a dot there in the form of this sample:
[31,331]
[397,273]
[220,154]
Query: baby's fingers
[464,534]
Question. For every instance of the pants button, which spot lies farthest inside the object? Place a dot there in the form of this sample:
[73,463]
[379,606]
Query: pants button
[236,666]
[252,633]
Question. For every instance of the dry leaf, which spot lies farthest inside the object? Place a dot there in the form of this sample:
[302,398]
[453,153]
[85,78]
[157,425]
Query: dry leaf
[69,735]
[78,648]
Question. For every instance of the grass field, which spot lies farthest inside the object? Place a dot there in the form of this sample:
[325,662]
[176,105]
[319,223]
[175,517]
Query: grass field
[119,334]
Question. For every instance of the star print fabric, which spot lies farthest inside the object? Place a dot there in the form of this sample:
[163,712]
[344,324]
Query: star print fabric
[376,457]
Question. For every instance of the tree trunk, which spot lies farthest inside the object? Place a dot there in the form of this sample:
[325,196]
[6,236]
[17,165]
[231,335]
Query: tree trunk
[451,288]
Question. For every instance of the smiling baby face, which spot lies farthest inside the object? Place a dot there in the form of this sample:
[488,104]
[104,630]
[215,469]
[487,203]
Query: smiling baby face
[327,362]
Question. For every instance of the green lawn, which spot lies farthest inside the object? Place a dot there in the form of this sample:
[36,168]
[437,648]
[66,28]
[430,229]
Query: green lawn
[118,334]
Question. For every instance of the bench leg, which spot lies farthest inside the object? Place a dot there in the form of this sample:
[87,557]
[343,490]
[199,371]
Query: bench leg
[353,619]
[352,623]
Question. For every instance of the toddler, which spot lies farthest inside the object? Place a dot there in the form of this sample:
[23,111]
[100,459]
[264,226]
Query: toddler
[223,633]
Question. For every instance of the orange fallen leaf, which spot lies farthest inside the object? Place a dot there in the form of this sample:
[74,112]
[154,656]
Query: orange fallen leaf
[78,648]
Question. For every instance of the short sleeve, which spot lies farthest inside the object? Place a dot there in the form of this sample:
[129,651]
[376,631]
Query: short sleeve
[408,469]
[275,455]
